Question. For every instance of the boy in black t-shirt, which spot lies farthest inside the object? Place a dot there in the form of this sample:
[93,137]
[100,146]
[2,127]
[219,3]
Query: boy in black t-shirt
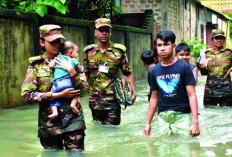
[173,92]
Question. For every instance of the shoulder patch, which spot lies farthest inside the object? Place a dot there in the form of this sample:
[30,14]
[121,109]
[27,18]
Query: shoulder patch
[120,46]
[89,47]
[34,59]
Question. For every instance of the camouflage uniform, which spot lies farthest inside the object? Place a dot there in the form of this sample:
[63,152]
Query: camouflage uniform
[217,89]
[102,100]
[36,89]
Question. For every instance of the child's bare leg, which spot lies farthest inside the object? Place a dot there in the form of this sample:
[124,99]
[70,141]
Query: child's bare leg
[54,112]
[75,101]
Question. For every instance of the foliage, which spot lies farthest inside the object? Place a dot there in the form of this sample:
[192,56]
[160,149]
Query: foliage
[69,8]
[195,45]
[38,6]
[105,8]
[95,8]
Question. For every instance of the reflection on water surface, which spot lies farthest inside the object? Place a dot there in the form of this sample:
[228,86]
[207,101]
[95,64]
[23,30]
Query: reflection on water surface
[18,133]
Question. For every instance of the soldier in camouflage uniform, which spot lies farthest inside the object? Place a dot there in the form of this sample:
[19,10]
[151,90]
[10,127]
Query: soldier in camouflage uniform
[218,84]
[68,128]
[102,62]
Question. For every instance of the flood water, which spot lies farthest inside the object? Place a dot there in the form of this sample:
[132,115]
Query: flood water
[18,133]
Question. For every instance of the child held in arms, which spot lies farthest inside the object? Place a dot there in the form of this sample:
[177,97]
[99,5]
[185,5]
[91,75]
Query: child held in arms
[62,79]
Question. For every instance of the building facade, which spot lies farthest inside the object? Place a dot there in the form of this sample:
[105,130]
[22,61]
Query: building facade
[187,18]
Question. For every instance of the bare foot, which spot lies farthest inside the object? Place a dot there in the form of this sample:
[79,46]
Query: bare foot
[53,115]
[74,109]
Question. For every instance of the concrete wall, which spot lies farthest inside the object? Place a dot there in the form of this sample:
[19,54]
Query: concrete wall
[141,42]
[78,35]
[20,40]
[193,19]
[15,47]
[175,18]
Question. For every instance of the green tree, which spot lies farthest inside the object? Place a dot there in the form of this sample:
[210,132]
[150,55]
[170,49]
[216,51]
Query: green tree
[35,6]
[195,45]
[70,8]
[90,9]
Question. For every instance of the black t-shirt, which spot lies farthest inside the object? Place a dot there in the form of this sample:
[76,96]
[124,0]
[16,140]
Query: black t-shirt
[192,66]
[149,93]
[171,82]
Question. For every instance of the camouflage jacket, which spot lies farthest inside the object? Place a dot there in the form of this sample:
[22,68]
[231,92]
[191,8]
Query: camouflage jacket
[101,89]
[36,89]
[218,65]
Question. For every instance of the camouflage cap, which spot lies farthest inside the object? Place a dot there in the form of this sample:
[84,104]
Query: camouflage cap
[218,32]
[50,32]
[100,22]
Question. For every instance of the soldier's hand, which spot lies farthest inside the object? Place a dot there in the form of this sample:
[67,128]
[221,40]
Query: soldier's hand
[203,62]
[228,73]
[64,64]
[133,97]
[202,66]
[70,93]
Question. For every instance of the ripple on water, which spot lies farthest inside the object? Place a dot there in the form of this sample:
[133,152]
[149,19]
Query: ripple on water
[18,130]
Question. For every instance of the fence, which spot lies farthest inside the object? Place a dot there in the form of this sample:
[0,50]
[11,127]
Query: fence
[20,40]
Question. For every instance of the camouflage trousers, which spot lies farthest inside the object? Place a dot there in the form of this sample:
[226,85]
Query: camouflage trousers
[72,141]
[107,117]
[218,101]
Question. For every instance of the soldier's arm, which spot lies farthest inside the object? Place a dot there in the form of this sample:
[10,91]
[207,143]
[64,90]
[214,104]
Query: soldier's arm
[126,69]
[230,68]
[31,93]
[131,79]
[80,82]
[80,68]
[85,64]
[202,65]
[86,50]
[29,89]
[228,73]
